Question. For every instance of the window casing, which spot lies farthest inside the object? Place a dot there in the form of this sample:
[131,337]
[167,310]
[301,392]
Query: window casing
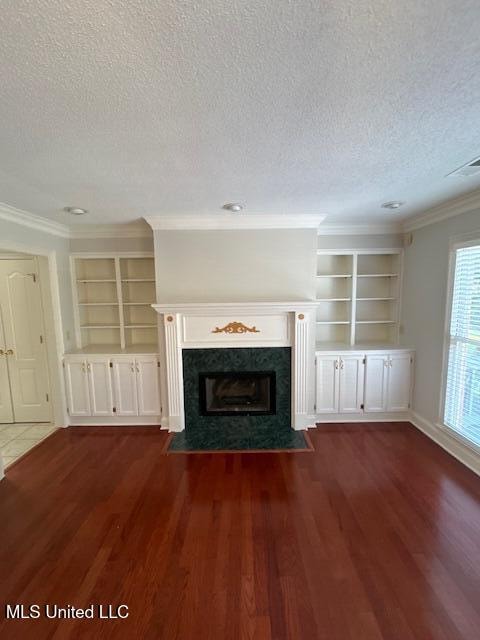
[462,388]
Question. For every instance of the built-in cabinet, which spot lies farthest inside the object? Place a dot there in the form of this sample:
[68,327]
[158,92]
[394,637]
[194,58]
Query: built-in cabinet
[339,384]
[109,386]
[358,294]
[112,300]
[363,382]
[388,382]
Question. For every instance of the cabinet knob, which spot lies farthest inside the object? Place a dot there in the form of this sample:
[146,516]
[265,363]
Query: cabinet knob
[2,352]
[9,352]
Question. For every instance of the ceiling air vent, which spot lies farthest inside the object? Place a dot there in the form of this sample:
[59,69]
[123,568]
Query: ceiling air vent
[467,170]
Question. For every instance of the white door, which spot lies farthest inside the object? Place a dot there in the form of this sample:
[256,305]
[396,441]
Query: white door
[399,382]
[22,315]
[148,385]
[76,383]
[100,386]
[125,386]
[327,396]
[376,381]
[6,407]
[351,384]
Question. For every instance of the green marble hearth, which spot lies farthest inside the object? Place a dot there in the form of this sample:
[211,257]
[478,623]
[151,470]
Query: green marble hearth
[210,433]
[235,438]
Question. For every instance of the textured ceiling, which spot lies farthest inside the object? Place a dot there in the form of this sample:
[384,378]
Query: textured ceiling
[144,107]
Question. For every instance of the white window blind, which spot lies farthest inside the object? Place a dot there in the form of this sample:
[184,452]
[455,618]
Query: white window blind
[462,399]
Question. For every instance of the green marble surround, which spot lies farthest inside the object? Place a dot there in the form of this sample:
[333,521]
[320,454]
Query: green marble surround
[237,432]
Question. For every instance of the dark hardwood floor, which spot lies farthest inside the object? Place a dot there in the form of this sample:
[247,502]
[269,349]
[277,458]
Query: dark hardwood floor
[375,535]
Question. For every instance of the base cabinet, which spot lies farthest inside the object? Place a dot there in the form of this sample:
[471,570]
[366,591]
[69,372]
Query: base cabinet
[109,386]
[351,384]
[136,385]
[339,384]
[327,392]
[357,383]
[76,385]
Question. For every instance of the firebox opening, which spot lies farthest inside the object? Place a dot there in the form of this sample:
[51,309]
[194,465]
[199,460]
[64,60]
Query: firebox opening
[237,393]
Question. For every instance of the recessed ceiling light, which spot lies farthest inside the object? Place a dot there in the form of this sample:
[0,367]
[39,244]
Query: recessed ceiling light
[75,211]
[233,206]
[394,204]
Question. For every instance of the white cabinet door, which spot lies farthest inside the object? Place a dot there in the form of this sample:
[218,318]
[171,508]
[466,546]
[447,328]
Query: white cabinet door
[351,384]
[399,382]
[125,386]
[327,395]
[100,386]
[376,383]
[148,385]
[76,383]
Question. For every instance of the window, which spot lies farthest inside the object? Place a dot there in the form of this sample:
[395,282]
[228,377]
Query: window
[462,396]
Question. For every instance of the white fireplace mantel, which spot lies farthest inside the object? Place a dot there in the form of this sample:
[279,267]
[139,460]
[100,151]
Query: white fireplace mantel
[239,324]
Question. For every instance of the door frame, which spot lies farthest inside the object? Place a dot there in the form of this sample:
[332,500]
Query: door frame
[53,324]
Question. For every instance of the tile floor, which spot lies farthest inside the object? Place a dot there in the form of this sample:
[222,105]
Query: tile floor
[17,439]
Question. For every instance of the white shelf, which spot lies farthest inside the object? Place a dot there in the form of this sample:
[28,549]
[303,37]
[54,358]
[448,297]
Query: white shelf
[358,296]
[375,322]
[140,326]
[375,299]
[114,294]
[377,275]
[334,275]
[115,349]
[93,281]
[100,326]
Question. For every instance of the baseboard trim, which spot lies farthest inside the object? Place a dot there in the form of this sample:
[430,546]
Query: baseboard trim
[361,417]
[452,444]
[118,421]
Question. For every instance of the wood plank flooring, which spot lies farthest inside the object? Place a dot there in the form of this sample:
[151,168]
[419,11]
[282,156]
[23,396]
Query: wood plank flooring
[374,536]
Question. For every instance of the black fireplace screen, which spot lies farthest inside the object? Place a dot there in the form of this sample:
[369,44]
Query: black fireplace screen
[236,394]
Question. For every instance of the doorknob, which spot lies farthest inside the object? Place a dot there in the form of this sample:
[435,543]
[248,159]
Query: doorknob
[9,352]
[2,352]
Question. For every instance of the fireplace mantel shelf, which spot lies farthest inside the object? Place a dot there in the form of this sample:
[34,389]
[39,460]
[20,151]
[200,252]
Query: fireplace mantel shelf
[245,307]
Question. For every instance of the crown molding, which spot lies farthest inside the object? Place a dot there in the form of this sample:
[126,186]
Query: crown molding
[30,220]
[347,229]
[229,221]
[87,231]
[91,231]
[443,211]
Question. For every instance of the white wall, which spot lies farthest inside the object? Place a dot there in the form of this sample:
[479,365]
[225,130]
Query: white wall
[424,305]
[114,245]
[363,241]
[237,265]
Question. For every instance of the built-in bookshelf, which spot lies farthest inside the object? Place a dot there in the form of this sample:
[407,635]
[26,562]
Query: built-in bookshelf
[113,298]
[358,295]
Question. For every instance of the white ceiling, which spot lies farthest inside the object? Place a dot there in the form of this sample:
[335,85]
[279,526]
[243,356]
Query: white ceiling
[140,107]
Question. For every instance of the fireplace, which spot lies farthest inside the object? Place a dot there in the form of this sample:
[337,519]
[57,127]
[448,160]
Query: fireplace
[231,393]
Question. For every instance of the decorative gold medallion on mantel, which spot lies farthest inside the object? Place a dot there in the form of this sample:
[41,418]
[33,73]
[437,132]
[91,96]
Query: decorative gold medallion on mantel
[235,327]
